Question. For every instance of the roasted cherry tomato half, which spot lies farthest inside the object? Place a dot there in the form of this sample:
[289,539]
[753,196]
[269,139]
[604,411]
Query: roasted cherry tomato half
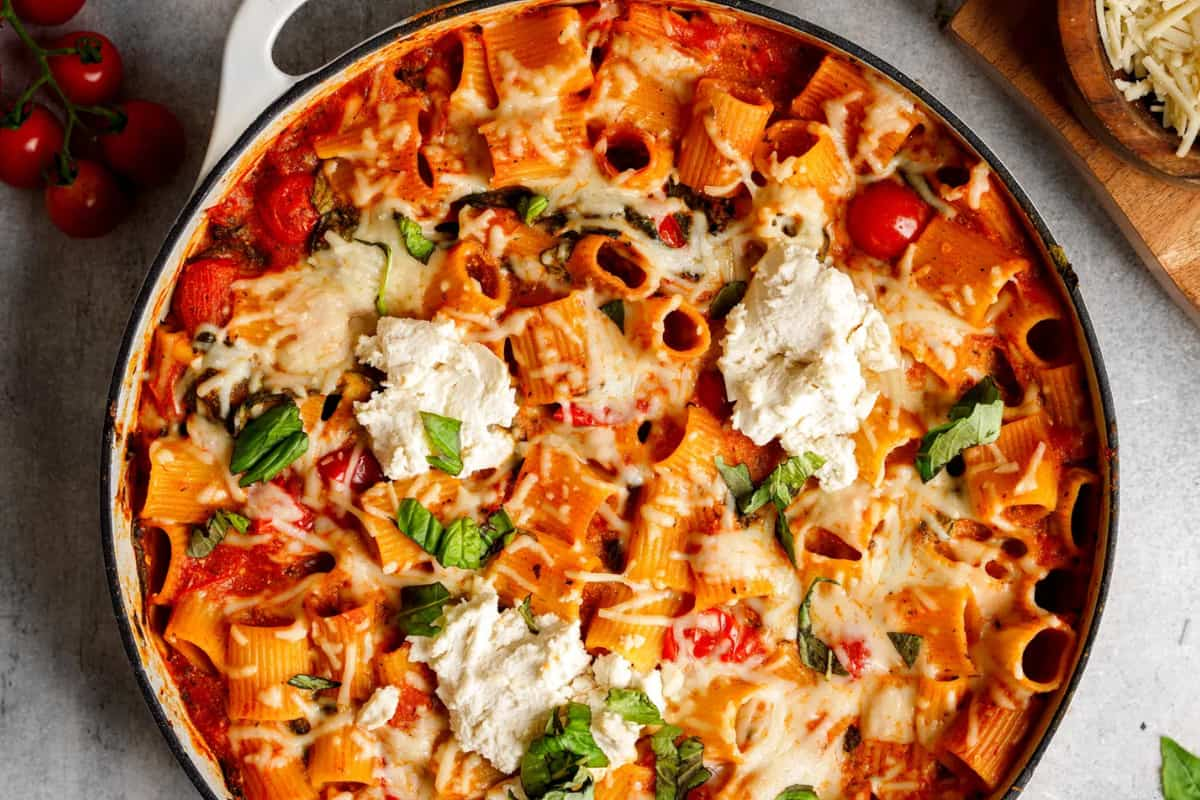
[89,204]
[92,75]
[28,148]
[884,218]
[204,293]
[363,474]
[147,146]
[47,12]
[286,207]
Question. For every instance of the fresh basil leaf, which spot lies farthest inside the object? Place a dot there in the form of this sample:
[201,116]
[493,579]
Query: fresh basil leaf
[908,645]
[464,545]
[276,460]
[974,420]
[421,609]
[1180,771]
[204,540]
[737,478]
[640,221]
[442,433]
[725,299]
[380,304]
[312,683]
[814,653]
[330,406]
[499,526]
[852,739]
[555,767]
[415,242]
[526,612]
[417,523]
[532,206]
[268,443]
[779,488]
[678,769]
[615,310]
[634,705]
[797,792]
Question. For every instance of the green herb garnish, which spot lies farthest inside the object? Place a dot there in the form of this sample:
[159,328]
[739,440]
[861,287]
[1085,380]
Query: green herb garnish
[779,488]
[814,653]
[974,420]
[464,544]
[415,242]
[204,540]
[634,705]
[526,612]
[268,444]
[797,792]
[1180,771]
[615,310]
[442,434]
[380,304]
[532,206]
[421,609]
[678,768]
[312,683]
[556,765]
[725,299]
[908,645]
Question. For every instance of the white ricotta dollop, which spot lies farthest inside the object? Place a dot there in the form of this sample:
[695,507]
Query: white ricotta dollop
[430,368]
[795,355]
[376,712]
[498,680]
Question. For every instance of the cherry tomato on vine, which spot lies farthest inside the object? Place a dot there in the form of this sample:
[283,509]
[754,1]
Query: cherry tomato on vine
[286,208]
[884,217]
[28,147]
[91,76]
[90,204]
[204,293]
[47,12]
[148,146]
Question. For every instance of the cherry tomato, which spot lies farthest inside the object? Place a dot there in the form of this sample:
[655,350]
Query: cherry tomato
[91,204]
[671,233]
[28,149]
[286,208]
[93,75]
[47,12]
[717,633]
[365,473]
[148,147]
[204,293]
[854,656]
[710,394]
[884,217]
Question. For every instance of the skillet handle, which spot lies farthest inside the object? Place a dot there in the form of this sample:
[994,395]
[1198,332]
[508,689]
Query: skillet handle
[250,81]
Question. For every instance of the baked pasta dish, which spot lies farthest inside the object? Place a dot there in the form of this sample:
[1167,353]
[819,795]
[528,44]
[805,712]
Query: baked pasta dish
[615,401]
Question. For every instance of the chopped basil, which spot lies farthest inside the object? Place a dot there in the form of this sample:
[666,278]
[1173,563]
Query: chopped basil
[974,420]
[725,299]
[415,242]
[442,433]
[678,769]
[852,739]
[532,206]
[269,443]
[312,683]
[814,653]
[779,488]
[421,609]
[204,540]
[464,544]
[640,221]
[634,705]
[380,304]
[526,612]
[556,765]
[908,645]
[615,310]
[737,478]
[797,792]
[1180,771]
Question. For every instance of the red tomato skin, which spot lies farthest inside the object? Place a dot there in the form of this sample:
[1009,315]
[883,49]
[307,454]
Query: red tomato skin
[857,653]
[26,151]
[149,148]
[286,209]
[884,218]
[91,205]
[710,394]
[366,471]
[670,233]
[47,12]
[204,293]
[88,84]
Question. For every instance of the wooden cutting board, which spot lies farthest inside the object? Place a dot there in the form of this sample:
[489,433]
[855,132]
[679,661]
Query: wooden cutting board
[1019,40]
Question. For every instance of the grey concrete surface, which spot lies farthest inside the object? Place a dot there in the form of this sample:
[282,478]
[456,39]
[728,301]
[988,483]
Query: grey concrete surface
[72,724]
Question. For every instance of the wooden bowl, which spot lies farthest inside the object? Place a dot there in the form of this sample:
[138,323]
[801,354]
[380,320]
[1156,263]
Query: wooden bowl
[1135,134]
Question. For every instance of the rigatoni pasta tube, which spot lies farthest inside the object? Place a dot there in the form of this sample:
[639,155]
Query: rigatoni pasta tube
[727,122]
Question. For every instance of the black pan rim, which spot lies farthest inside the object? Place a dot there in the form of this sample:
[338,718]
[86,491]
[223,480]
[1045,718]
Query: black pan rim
[268,116]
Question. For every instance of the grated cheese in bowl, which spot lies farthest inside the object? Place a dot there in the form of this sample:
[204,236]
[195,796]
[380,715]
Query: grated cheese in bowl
[1157,44]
